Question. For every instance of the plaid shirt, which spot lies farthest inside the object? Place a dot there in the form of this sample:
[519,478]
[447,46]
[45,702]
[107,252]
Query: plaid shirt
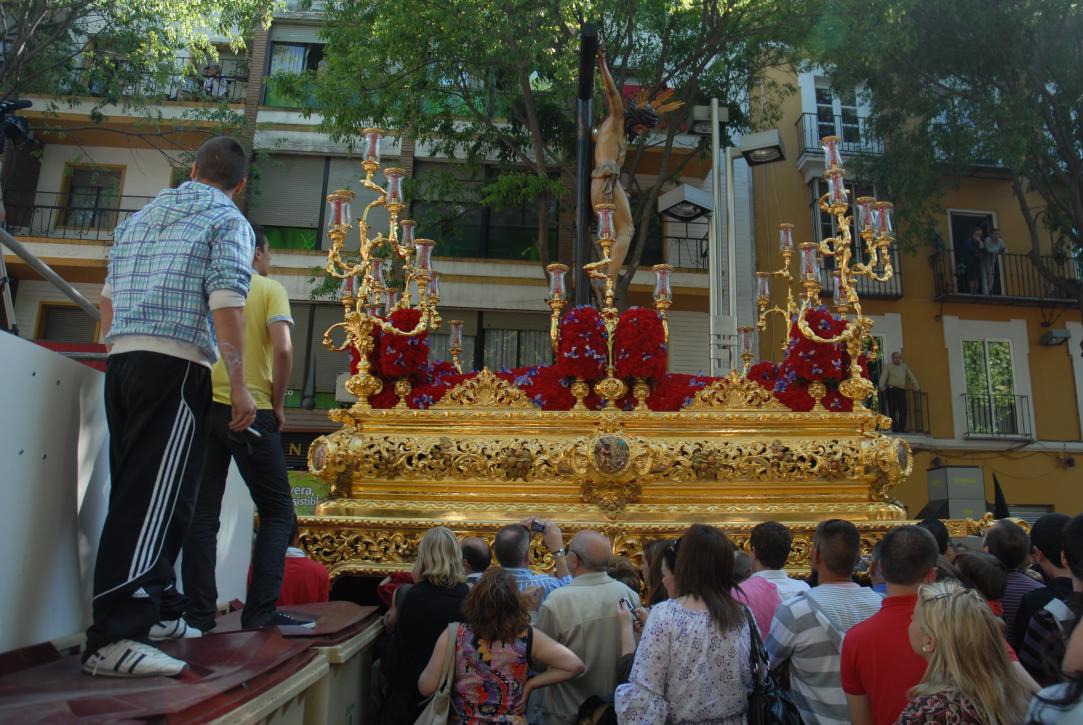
[169,257]
[527,579]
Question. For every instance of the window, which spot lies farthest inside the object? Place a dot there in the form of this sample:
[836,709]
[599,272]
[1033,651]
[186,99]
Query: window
[447,206]
[516,348]
[63,323]
[290,237]
[991,403]
[438,348]
[836,115]
[291,59]
[92,197]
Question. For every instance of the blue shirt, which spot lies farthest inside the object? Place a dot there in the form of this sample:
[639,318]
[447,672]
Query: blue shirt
[170,256]
[527,579]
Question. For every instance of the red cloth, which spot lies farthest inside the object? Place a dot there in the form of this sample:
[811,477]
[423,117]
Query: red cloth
[877,660]
[761,596]
[303,582]
[394,581]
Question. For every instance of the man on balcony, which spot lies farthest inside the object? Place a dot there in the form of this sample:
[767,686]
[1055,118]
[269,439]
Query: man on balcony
[893,388]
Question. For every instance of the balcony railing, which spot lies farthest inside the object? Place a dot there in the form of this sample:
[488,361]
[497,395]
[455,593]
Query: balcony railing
[686,252]
[908,410]
[1007,278]
[852,130]
[56,216]
[228,83]
[997,416]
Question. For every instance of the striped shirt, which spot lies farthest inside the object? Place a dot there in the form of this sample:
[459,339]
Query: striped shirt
[527,579]
[168,260]
[811,640]
[1018,586]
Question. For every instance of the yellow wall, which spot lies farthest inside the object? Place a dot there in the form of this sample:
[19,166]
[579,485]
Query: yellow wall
[1028,476]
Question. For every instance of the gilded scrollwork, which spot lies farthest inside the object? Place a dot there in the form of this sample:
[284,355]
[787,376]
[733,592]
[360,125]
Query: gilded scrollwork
[734,392]
[485,391]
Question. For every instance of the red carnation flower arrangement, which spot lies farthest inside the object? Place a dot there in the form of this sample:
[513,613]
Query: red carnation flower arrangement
[402,355]
[639,345]
[582,352]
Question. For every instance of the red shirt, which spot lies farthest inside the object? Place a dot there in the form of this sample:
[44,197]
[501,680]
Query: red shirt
[304,581]
[877,660]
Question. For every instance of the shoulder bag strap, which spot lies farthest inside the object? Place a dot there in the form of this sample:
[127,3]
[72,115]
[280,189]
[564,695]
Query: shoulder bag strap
[448,674]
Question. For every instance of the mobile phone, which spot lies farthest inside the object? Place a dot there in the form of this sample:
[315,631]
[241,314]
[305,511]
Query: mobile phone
[537,526]
[630,607]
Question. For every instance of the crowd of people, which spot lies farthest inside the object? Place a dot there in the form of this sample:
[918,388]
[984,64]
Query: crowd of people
[918,632]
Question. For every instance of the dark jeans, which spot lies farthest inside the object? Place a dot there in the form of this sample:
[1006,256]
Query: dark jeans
[156,406]
[896,408]
[263,467]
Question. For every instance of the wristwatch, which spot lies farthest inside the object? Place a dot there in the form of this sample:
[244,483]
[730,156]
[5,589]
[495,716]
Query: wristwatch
[562,551]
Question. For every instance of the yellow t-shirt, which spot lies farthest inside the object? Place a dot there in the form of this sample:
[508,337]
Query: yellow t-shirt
[267,302]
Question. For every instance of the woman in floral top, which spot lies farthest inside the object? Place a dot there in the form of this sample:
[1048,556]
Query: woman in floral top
[493,650]
[969,680]
[692,664]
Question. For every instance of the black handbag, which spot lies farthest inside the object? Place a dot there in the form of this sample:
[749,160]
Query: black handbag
[768,702]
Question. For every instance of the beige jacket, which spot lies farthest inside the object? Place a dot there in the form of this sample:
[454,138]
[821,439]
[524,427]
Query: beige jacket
[582,617]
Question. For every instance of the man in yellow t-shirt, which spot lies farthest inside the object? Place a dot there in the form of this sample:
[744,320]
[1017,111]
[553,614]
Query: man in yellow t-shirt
[258,454]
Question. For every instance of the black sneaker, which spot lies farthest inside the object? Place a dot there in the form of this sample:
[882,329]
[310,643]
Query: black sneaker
[281,619]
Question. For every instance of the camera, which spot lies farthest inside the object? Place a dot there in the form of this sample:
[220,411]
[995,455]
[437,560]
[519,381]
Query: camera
[537,526]
[15,127]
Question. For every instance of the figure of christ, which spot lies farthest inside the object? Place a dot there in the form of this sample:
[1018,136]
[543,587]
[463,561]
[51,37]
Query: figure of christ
[610,147]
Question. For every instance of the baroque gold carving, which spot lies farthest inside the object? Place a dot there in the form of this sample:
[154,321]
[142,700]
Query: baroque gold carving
[734,392]
[485,391]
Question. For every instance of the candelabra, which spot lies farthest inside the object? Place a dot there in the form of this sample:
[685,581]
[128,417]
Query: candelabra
[876,231]
[364,285]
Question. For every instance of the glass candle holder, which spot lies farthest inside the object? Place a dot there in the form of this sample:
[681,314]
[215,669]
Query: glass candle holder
[763,286]
[885,223]
[340,208]
[391,298]
[423,253]
[455,339]
[376,268]
[744,334]
[839,294]
[347,286]
[371,144]
[557,280]
[810,263]
[409,226]
[785,238]
[394,184]
[866,213]
[663,291]
[434,285]
[836,189]
[604,216]
[832,157]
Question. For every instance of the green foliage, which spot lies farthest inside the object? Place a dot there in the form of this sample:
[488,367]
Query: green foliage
[959,84]
[127,54]
[493,82]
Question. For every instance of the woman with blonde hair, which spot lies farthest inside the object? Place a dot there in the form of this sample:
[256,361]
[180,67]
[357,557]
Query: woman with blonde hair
[433,602]
[969,680]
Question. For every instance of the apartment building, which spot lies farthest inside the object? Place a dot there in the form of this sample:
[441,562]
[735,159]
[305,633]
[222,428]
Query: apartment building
[999,386]
[994,393]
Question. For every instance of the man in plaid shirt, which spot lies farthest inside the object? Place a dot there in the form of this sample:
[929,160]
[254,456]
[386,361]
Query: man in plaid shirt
[180,262]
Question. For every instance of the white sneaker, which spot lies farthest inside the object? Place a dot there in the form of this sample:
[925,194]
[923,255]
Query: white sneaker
[174,629]
[128,658]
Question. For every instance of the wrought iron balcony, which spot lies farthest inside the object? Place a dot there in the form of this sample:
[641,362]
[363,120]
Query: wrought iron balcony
[1010,279]
[997,416]
[852,130]
[909,412]
[59,216]
[203,85]
[686,252]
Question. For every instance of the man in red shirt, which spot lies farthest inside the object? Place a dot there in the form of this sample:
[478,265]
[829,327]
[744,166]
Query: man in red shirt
[304,581]
[878,665]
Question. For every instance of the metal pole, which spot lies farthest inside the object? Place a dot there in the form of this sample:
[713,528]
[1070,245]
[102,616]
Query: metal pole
[47,272]
[581,254]
[729,331]
[714,257]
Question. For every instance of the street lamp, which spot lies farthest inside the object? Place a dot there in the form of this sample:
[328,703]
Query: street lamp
[685,203]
